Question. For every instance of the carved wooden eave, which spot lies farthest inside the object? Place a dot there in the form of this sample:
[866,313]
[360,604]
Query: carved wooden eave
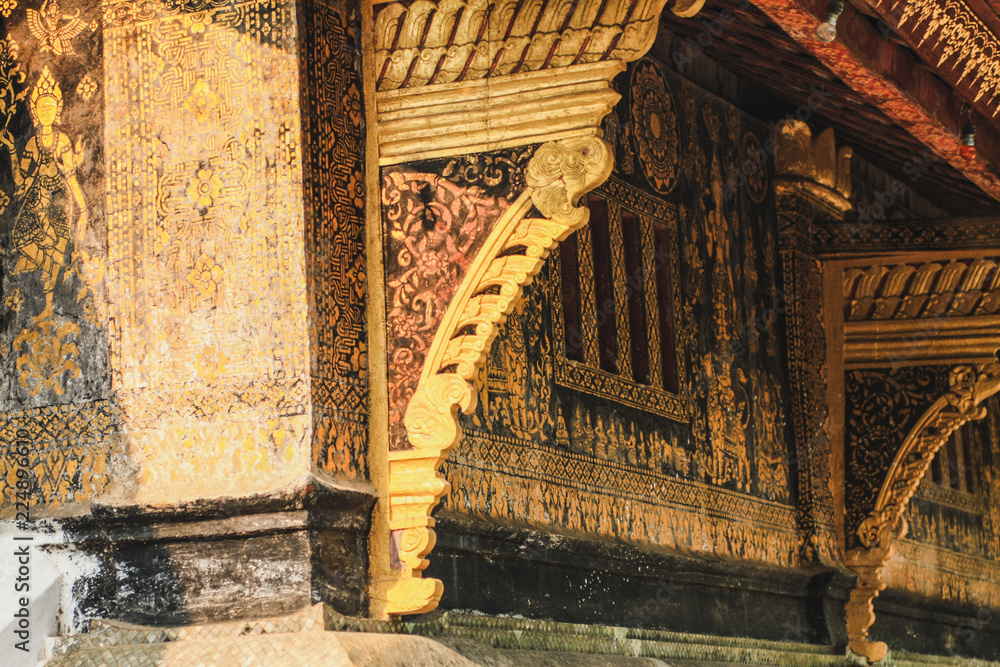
[887,76]
[920,309]
[969,386]
[911,306]
[465,76]
[425,43]
[490,114]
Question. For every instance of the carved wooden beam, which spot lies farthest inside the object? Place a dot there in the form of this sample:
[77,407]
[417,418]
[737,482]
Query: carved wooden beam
[812,180]
[969,386]
[489,114]
[558,175]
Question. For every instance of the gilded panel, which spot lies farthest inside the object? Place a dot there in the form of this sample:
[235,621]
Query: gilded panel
[438,213]
[205,243]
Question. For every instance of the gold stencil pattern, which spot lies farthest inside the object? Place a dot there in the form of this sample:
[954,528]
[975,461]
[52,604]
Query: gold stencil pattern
[333,187]
[70,449]
[654,123]
[207,234]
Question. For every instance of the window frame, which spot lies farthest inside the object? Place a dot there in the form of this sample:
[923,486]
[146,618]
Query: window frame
[587,376]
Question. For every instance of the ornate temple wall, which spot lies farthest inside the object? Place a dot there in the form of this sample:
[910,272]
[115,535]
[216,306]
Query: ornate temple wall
[155,265]
[636,395]
[697,461]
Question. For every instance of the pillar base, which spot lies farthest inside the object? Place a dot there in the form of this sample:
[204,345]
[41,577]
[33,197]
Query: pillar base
[227,558]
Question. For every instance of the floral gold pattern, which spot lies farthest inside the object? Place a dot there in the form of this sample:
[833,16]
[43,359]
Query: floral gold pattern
[654,122]
[204,188]
[206,276]
[48,356]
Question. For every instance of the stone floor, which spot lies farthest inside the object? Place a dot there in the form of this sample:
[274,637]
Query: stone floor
[320,636]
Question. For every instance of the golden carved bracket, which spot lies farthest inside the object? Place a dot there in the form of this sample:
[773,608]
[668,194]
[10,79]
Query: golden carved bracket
[558,175]
[969,386]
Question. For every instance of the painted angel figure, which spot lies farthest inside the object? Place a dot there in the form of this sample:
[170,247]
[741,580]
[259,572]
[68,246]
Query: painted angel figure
[45,26]
[47,191]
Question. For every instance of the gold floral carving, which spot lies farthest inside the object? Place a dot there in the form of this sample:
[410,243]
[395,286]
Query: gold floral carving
[558,175]
[969,386]
[423,43]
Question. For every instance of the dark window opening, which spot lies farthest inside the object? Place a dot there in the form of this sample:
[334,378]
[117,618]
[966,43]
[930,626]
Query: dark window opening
[603,284]
[636,291]
[571,298]
[627,316]
[668,352]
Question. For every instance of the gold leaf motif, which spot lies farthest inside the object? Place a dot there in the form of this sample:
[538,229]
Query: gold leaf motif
[204,188]
[206,276]
[47,355]
[15,300]
[197,22]
[210,363]
[202,101]
[86,88]
[53,28]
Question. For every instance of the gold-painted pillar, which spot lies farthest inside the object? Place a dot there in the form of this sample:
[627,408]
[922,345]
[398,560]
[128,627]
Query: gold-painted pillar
[236,289]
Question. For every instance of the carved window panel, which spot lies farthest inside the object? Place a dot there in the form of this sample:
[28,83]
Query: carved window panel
[951,479]
[617,322]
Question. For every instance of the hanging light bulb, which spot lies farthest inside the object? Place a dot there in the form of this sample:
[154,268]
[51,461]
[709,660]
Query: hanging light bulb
[968,149]
[827,30]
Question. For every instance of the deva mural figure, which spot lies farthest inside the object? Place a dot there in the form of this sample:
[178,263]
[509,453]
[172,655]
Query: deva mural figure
[49,202]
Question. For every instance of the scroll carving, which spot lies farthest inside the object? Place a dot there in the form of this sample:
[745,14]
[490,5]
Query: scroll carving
[558,175]
[969,386]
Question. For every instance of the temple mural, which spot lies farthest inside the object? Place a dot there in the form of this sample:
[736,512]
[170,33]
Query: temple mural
[55,392]
[629,413]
